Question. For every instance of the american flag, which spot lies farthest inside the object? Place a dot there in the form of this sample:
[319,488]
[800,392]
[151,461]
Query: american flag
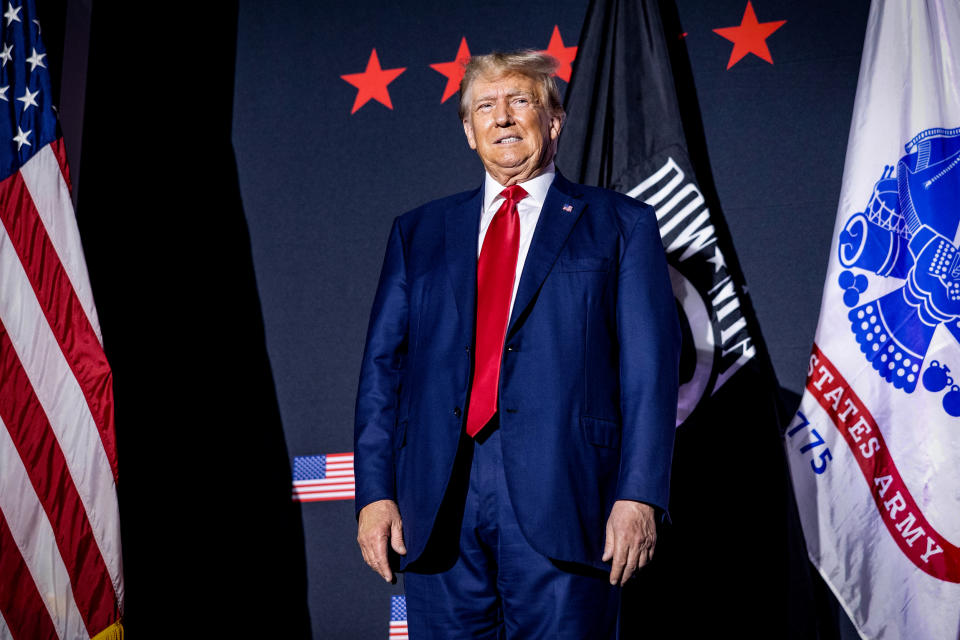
[323,477]
[60,561]
[398,618]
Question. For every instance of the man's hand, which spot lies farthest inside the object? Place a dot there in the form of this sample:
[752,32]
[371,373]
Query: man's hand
[378,524]
[631,537]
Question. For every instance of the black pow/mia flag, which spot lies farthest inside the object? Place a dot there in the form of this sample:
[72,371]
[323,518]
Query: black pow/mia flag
[731,561]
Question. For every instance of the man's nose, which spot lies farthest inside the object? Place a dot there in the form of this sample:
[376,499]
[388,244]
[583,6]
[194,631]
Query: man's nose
[501,113]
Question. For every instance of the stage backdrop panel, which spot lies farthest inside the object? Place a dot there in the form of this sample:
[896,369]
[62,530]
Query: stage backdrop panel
[326,162]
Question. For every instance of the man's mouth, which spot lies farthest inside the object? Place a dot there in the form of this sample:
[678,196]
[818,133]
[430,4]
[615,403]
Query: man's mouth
[508,140]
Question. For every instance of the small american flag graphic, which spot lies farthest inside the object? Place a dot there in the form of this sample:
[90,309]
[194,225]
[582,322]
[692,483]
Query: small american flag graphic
[323,477]
[398,618]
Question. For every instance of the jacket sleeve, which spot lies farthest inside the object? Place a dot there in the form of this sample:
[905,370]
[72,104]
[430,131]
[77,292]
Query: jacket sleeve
[649,338]
[381,372]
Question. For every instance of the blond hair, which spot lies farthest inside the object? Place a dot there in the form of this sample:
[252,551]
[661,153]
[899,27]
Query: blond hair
[535,65]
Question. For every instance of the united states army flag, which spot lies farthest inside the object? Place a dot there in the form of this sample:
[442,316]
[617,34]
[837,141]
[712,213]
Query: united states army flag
[875,444]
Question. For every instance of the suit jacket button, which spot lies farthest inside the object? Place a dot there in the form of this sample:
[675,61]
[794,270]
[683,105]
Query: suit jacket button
[456,412]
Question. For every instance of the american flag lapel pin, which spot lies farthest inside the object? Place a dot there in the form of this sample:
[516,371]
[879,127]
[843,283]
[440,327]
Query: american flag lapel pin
[568,208]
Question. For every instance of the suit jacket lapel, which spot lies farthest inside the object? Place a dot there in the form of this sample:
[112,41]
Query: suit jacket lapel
[560,212]
[461,230]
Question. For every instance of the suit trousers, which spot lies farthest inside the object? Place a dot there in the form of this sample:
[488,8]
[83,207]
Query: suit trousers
[498,586]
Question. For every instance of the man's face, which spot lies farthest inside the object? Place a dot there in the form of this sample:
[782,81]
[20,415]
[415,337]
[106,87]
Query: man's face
[509,128]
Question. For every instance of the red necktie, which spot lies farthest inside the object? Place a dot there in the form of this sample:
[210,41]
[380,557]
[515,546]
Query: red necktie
[496,270]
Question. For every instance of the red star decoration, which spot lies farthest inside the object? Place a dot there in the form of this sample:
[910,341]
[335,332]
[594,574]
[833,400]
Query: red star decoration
[453,70]
[750,37]
[564,55]
[372,83]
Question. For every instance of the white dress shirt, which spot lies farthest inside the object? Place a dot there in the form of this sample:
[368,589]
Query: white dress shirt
[528,210]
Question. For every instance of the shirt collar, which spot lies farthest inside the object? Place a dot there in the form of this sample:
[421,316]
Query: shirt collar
[536,188]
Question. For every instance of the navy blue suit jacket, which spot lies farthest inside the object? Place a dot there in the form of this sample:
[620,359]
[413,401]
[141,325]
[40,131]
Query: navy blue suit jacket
[588,381]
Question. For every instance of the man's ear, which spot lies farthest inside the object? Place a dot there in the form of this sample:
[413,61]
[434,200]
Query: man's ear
[556,124]
[468,131]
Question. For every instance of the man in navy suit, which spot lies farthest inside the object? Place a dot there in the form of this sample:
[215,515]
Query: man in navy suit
[518,391]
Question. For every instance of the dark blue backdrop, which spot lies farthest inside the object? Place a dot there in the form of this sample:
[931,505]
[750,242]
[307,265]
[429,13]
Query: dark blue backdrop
[234,297]
[320,187]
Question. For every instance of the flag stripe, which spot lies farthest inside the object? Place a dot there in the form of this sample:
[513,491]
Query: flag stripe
[342,493]
[318,497]
[337,491]
[336,476]
[324,482]
[43,176]
[334,489]
[63,403]
[343,486]
[34,537]
[4,629]
[22,607]
[60,151]
[60,305]
[45,463]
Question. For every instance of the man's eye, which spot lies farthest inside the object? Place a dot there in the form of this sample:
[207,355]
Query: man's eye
[521,101]
[486,106]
